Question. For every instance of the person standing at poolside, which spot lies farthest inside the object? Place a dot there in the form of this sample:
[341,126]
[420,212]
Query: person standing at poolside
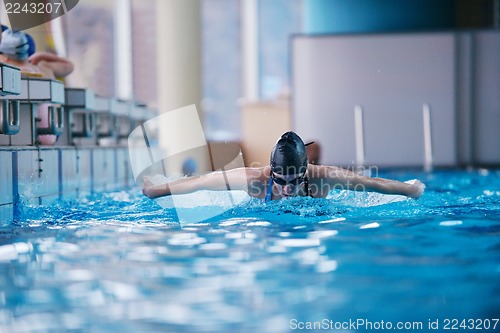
[289,174]
[15,49]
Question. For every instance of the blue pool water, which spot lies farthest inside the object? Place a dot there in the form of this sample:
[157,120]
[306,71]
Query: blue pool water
[118,262]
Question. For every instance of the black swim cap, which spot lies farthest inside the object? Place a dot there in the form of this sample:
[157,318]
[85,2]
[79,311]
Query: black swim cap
[289,156]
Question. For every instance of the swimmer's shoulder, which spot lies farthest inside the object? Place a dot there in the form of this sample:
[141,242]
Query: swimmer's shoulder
[315,171]
[258,173]
[318,171]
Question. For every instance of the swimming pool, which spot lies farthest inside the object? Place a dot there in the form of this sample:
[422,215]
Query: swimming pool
[117,262]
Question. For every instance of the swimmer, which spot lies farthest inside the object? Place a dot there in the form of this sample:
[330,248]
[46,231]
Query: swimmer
[289,174]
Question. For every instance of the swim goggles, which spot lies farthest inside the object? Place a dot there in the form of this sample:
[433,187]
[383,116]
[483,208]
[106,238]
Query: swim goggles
[295,182]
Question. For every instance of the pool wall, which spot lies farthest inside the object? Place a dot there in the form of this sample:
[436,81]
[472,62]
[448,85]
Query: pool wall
[90,155]
[40,176]
[399,99]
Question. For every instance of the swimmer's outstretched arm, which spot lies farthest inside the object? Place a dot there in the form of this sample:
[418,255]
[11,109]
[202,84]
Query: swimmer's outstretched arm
[336,177]
[235,179]
[152,190]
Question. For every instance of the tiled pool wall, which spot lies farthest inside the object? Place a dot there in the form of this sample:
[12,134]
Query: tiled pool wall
[40,176]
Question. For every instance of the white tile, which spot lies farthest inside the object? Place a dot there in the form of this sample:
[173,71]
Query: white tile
[84,169]
[50,174]
[28,180]
[5,177]
[104,169]
[69,166]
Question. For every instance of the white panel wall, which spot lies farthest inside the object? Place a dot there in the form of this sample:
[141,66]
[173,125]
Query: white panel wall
[391,77]
[104,165]
[38,175]
[486,98]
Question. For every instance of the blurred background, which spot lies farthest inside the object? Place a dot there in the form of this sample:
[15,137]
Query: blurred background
[244,64]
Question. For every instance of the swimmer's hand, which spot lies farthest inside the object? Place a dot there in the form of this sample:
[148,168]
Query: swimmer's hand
[147,181]
[417,188]
[152,190]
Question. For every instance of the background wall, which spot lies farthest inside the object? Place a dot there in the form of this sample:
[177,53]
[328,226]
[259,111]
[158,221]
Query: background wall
[326,16]
[391,76]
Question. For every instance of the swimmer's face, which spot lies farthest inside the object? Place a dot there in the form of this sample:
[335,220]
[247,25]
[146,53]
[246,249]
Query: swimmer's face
[288,185]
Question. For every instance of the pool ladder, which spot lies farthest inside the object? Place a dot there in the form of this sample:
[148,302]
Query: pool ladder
[428,160]
[427,136]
